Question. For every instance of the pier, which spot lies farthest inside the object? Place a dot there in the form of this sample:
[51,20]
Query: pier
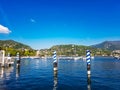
[5,61]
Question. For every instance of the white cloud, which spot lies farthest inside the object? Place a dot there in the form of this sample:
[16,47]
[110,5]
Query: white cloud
[4,30]
[32,20]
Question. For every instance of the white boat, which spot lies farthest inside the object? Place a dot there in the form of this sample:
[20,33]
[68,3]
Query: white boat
[65,58]
[77,58]
[117,57]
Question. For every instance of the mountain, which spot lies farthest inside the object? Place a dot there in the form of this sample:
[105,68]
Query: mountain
[109,45]
[72,50]
[13,44]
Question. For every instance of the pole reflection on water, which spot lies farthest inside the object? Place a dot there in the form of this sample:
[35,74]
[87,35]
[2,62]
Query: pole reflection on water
[88,82]
[72,75]
[6,72]
[1,72]
[55,80]
[55,69]
[17,71]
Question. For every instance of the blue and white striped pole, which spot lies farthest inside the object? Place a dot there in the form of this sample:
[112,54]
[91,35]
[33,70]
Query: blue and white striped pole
[55,61]
[54,56]
[55,68]
[88,59]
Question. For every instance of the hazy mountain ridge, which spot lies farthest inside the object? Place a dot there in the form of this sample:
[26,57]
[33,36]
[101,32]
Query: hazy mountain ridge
[110,45]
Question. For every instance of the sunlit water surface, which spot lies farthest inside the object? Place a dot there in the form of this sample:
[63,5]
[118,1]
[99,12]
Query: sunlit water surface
[38,74]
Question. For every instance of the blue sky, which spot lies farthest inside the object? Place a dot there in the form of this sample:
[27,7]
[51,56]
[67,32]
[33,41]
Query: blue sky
[43,23]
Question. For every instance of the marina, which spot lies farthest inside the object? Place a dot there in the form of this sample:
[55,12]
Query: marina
[5,61]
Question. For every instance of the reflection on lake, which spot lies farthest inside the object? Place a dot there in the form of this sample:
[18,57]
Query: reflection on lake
[72,75]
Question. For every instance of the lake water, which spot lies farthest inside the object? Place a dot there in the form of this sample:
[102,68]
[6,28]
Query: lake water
[37,74]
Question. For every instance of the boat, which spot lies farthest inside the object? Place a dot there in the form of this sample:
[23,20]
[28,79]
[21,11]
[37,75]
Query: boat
[66,58]
[77,58]
[117,57]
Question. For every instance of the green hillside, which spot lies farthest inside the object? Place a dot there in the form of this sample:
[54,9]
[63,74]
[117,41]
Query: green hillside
[73,50]
[13,44]
[105,48]
[12,47]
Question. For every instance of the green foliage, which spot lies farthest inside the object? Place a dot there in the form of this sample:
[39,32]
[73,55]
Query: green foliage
[13,44]
[13,47]
[74,50]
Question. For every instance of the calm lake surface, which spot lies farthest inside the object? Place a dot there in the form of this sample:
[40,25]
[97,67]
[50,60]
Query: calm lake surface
[38,74]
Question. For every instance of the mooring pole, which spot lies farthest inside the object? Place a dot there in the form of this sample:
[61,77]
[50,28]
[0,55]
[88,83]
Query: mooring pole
[88,59]
[55,63]
[9,60]
[1,72]
[18,59]
[55,69]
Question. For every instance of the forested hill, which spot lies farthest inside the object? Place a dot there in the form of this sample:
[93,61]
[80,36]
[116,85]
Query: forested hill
[109,45]
[77,50]
[71,49]
[13,44]
[104,48]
